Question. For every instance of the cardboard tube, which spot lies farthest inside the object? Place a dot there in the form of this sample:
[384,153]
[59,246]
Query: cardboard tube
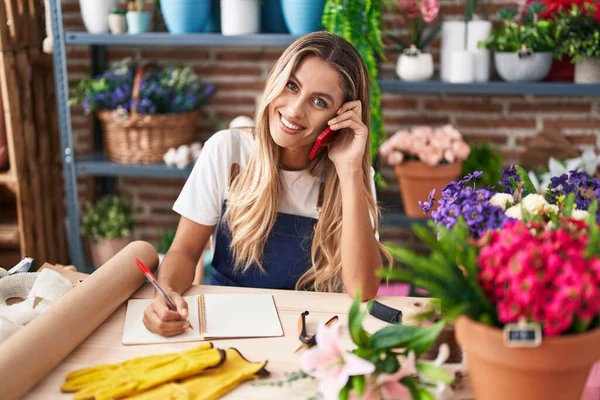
[33,352]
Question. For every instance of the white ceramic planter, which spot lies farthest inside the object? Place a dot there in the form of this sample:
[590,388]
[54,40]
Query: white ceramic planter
[95,14]
[117,23]
[240,17]
[511,68]
[413,68]
[588,70]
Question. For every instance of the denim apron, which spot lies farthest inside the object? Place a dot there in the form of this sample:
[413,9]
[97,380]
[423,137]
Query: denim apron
[286,255]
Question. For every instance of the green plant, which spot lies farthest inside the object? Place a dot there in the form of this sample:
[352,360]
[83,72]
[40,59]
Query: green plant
[484,158]
[118,11]
[139,5]
[165,240]
[359,23]
[475,7]
[578,33]
[109,218]
[516,32]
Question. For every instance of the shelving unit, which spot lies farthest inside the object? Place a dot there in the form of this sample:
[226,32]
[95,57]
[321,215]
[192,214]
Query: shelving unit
[97,165]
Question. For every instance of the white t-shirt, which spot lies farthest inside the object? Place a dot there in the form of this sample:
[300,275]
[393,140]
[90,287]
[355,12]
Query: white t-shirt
[201,199]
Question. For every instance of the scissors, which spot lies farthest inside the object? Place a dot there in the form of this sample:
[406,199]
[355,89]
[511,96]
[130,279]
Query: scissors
[306,339]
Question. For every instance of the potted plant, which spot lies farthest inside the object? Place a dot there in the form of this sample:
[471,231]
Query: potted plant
[144,109]
[360,25]
[139,14]
[520,269]
[419,17]
[577,32]
[523,46]
[424,158]
[302,17]
[240,17]
[117,21]
[108,224]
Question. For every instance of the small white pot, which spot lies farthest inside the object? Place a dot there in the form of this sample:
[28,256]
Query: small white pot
[413,68]
[512,68]
[117,23]
[240,17]
[588,70]
[95,14]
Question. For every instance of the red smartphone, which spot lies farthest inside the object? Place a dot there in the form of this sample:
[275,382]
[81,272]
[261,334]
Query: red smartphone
[322,141]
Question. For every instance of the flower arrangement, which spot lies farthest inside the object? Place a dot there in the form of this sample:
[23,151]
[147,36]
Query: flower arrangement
[577,32]
[419,17]
[162,90]
[430,145]
[588,162]
[109,218]
[519,32]
[383,365]
[539,263]
[485,210]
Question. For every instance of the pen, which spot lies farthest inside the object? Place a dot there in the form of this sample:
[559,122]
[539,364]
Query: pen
[154,283]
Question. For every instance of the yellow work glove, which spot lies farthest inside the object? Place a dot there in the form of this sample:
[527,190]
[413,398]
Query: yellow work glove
[112,381]
[211,383]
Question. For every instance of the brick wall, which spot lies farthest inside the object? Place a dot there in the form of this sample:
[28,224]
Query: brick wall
[239,75]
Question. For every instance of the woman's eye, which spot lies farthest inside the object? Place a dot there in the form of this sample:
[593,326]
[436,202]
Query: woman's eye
[320,103]
[292,86]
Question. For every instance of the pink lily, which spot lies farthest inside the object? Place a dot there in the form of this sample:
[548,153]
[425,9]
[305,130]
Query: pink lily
[330,364]
[390,386]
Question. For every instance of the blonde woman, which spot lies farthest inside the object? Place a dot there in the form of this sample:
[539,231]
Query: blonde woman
[277,219]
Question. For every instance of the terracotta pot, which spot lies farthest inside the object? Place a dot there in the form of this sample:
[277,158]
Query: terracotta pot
[416,179]
[557,369]
[104,249]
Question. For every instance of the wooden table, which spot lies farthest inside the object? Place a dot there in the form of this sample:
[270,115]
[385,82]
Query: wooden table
[104,345]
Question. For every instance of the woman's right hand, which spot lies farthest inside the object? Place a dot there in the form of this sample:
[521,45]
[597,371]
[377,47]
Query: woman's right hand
[158,318]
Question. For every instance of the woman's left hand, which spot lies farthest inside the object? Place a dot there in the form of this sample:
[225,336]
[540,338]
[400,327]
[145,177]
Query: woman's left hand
[348,148]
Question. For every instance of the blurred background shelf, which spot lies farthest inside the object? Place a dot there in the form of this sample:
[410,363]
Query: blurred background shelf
[391,85]
[96,164]
[168,39]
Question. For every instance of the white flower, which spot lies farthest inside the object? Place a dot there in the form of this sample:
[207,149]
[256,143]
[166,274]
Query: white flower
[580,214]
[502,199]
[535,204]
[515,212]
[589,162]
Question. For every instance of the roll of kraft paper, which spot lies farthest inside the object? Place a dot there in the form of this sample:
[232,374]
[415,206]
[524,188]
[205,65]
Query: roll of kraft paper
[33,352]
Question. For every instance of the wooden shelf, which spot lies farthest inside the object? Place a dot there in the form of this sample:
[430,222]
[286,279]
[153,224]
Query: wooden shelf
[7,178]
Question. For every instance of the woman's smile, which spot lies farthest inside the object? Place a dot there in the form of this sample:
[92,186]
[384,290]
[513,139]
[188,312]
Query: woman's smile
[289,126]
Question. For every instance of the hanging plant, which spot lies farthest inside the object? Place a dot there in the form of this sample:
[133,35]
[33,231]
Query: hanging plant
[359,22]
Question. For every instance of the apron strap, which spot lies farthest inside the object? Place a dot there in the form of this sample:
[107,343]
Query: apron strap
[234,169]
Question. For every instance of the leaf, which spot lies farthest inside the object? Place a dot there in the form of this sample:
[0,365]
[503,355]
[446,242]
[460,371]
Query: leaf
[358,384]
[390,364]
[425,394]
[528,187]
[568,205]
[427,338]
[433,372]
[395,336]
[411,384]
[345,392]
[360,337]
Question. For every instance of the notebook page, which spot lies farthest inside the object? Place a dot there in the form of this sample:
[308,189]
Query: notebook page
[241,315]
[134,331]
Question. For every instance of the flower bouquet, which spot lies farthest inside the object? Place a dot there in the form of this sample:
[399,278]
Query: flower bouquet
[424,158]
[144,110]
[523,271]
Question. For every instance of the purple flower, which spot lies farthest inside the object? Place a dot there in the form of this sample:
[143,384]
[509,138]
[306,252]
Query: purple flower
[426,206]
[507,175]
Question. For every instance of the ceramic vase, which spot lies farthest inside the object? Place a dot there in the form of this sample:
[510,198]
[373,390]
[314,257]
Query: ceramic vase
[185,16]
[117,23]
[413,68]
[588,70]
[95,14]
[513,68]
[240,17]
[138,21]
[302,17]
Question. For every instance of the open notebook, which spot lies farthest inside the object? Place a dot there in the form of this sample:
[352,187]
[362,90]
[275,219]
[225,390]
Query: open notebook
[212,316]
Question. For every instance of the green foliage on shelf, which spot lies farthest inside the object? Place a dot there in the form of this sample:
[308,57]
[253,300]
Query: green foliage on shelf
[578,33]
[518,32]
[359,22]
[109,218]
[165,240]
[484,158]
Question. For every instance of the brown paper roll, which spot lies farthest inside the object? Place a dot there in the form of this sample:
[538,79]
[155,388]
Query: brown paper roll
[37,348]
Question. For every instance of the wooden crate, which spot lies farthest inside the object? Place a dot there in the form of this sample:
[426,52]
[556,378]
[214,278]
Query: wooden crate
[35,177]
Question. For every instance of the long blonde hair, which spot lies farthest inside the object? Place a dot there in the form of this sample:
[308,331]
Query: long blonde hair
[254,195]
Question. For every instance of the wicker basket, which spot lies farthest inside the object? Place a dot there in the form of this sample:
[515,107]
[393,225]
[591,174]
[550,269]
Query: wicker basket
[144,139]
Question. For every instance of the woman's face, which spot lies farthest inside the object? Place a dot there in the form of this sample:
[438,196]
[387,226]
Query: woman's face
[300,113]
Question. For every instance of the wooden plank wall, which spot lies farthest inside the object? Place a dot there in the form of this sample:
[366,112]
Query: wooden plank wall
[27,89]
